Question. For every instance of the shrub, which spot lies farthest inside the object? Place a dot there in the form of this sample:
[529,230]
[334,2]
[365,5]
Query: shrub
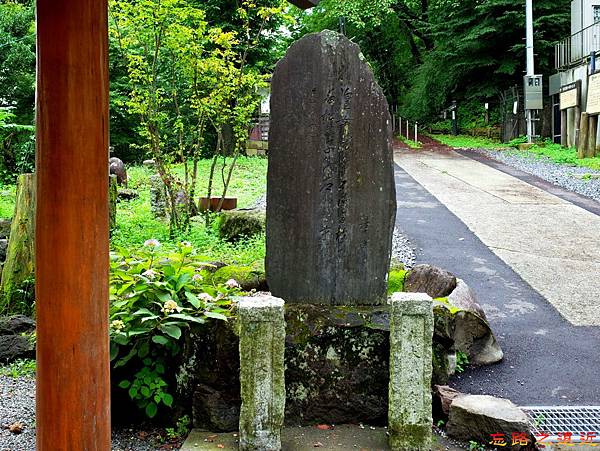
[154,296]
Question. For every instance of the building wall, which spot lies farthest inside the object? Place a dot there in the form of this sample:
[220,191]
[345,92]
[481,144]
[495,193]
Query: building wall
[582,14]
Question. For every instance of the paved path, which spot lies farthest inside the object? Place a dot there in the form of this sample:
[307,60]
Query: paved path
[503,237]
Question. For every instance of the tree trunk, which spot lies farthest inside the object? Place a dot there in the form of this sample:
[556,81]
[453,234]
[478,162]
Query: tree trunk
[582,142]
[20,256]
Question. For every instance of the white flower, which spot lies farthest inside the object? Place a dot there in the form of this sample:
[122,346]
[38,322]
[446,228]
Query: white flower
[170,306]
[232,283]
[186,244]
[150,274]
[197,278]
[117,325]
[152,243]
[205,297]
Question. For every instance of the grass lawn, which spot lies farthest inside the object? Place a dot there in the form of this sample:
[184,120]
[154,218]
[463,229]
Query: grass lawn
[7,200]
[409,142]
[555,152]
[470,142]
[135,223]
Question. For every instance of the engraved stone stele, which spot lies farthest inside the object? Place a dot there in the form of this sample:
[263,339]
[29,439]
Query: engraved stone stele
[409,408]
[262,383]
[331,196]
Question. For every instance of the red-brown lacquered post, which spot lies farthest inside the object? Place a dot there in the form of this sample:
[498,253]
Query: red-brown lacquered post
[73,397]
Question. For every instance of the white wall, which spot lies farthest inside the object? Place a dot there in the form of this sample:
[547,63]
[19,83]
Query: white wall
[582,14]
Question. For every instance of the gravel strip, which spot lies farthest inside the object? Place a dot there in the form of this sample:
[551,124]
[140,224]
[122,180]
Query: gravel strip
[582,181]
[401,247]
[17,405]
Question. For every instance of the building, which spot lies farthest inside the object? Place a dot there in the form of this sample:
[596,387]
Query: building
[574,89]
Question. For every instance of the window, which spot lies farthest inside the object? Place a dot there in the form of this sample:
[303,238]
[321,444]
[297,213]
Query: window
[596,13]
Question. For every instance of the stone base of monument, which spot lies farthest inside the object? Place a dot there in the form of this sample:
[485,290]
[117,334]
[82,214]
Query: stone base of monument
[337,365]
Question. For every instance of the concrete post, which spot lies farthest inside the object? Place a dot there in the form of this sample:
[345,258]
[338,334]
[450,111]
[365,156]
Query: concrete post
[563,128]
[262,384]
[411,336]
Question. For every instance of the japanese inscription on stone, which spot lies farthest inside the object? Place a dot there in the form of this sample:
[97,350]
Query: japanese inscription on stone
[331,197]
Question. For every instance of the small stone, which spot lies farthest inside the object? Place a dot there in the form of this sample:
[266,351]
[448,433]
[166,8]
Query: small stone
[16,428]
[5,225]
[149,163]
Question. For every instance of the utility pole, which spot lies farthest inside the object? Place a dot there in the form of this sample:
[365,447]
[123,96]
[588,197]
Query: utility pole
[530,63]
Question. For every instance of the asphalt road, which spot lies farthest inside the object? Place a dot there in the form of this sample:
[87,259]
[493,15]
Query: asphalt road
[547,360]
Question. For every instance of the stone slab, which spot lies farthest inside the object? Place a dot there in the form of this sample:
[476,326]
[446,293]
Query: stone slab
[341,438]
[331,194]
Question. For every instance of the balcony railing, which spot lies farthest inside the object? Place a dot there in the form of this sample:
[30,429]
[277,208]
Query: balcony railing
[572,50]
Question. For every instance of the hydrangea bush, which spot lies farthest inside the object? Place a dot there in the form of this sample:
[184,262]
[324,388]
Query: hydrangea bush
[154,295]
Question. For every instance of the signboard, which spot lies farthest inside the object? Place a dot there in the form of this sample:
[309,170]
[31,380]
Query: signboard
[569,95]
[593,96]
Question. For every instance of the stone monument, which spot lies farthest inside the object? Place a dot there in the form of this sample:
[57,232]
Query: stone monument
[331,200]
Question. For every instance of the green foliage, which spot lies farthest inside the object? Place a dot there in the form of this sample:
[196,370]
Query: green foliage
[462,360]
[560,155]
[410,143]
[19,300]
[469,142]
[426,54]
[19,368]
[7,200]
[181,429]
[476,446]
[396,281]
[154,296]
[135,221]
[17,88]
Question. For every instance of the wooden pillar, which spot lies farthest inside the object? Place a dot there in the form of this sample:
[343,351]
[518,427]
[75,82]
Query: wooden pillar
[583,135]
[592,132]
[564,127]
[73,404]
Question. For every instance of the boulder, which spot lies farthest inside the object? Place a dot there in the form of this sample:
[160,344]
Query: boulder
[464,298]
[17,324]
[5,225]
[476,417]
[117,167]
[432,280]
[235,224]
[127,194]
[14,347]
[3,248]
[466,331]
[149,163]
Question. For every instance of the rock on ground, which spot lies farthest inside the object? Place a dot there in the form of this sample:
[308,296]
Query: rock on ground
[476,417]
[434,281]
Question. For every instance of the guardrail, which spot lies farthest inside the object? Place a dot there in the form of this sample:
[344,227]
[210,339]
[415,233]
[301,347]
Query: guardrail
[572,50]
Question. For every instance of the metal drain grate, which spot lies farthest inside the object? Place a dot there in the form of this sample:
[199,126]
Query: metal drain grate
[575,424]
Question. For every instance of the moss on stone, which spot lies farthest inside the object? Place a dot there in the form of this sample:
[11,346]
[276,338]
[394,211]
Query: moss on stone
[249,277]
[396,280]
[235,224]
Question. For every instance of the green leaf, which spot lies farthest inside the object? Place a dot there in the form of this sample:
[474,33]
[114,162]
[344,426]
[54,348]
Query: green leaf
[185,317]
[193,299]
[145,391]
[114,350]
[159,339]
[163,296]
[183,279]
[133,392]
[167,399]
[145,312]
[151,410]
[215,315]
[124,384]
[144,350]
[171,330]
